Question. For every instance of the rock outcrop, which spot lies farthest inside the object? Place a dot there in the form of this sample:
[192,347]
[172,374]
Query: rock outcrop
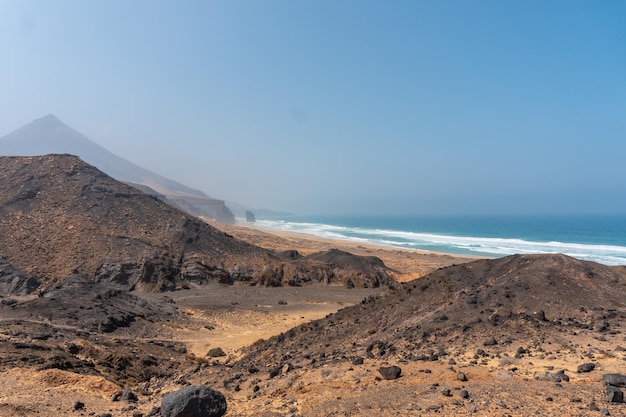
[481,305]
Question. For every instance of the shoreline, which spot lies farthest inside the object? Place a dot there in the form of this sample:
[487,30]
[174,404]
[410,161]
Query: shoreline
[407,264]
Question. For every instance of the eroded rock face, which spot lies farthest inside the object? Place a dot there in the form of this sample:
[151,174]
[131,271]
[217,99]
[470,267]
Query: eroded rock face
[194,401]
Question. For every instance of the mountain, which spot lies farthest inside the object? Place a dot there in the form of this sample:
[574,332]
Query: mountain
[62,220]
[48,135]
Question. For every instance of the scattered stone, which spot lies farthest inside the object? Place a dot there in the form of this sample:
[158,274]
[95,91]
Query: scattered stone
[72,348]
[490,342]
[129,396]
[154,412]
[615,396]
[137,413]
[390,372]
[617,380]
[451,362]
[357,361]
[446,392]
[193,400]
[105,415]
[461,376]
[605,412]
[115,397]
[215,352]
[541,315]
[253,369]
[275,372]
[288,367]
[593,407]
[585,367]
[464,394]
[78,405]
[553,377]
[499,403]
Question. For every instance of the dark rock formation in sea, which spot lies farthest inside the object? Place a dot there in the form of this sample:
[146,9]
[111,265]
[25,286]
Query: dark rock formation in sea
[250,217]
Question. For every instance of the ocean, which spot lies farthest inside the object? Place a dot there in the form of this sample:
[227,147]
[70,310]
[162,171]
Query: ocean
[600,239]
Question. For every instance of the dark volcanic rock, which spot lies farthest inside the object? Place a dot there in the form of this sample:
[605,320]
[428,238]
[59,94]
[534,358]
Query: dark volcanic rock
[250,217]
[490,342]
[193,401]
[109,232]
[390,372]
[585,367]
[16,282]
[615,396]
[129,396]
[616,380]
[215,352]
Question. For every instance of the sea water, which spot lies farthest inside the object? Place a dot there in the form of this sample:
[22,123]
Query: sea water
[596,238]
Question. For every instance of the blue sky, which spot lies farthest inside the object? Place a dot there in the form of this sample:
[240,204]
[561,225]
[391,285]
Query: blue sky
[352,107]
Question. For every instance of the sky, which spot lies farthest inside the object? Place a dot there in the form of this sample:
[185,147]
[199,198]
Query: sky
[339,106]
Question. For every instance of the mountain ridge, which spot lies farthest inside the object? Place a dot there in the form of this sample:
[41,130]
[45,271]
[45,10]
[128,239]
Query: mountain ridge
[49,135]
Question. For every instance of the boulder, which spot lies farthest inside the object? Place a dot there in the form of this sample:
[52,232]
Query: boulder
[585,367]
[390,372]
[615,396]
[194,401]
[490,342]
[617,380]
[215,352]
[250,217]
[129,396]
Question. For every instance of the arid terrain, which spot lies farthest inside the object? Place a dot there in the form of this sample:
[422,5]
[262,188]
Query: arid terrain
[105,288]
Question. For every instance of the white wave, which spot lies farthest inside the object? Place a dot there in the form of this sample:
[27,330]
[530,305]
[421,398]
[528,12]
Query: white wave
[606,254]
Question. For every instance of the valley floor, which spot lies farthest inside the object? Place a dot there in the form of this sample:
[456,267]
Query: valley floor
[232,317]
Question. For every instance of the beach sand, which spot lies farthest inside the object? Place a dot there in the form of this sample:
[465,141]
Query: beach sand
[407,264]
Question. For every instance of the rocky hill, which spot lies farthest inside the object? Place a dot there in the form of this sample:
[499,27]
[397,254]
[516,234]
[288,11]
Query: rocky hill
[48,135]
[61,218]
[525,300]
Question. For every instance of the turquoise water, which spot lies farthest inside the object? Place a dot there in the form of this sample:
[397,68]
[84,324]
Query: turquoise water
[597,238]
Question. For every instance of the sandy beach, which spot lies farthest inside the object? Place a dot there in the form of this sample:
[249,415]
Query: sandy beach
[407,264]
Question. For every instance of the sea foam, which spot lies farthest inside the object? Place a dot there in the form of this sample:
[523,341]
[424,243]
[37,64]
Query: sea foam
[465,245]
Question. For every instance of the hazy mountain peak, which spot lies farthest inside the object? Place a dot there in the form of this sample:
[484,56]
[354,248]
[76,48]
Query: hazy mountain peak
[49,135]
[49,119]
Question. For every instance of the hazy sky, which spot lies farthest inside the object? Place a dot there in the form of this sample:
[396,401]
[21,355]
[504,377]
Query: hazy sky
[339,106]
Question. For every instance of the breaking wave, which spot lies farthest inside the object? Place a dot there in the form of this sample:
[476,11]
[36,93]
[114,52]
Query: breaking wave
[463,245]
